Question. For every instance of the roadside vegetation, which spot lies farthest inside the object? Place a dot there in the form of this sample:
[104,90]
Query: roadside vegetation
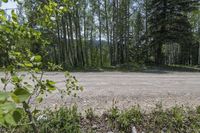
[69,120]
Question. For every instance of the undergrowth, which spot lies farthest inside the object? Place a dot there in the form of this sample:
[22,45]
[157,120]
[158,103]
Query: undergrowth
[69,120]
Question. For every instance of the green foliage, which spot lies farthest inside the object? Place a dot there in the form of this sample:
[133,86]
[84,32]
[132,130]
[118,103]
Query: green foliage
[23,92]
[65,120]
[176,119]
[114,114]
[20,95]
[68,120]
[72,85]
[124,120]
[169,24]
[90,114]
[128,118]
[5,1]
[15,100]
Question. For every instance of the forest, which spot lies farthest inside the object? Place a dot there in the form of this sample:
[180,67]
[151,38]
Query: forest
[103,33]
[40,39]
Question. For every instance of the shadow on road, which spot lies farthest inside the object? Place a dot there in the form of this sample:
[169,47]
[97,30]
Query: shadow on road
[167,69]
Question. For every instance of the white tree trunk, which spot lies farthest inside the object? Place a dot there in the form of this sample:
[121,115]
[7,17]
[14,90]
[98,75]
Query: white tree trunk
[199,55]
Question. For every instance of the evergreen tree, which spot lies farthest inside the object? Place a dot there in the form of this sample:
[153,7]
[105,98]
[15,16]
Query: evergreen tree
[169,23]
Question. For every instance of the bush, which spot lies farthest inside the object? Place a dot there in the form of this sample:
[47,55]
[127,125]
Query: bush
[124,120]
[68,120]
[65,120]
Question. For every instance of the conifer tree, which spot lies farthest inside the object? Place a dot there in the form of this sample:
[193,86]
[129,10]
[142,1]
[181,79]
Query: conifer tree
[169,23]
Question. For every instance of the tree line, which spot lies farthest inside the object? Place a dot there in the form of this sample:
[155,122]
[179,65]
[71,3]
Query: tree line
[101,33]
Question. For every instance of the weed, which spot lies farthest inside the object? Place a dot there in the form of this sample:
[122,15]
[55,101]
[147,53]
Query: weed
[90,114]
[65,120]
[123,120]
[68,120]
[128,118]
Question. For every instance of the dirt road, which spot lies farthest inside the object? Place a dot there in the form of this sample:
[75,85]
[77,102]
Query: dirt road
[102,90]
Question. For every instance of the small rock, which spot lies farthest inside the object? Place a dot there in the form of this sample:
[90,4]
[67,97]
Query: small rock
[110,132]
[94,127]
[134,130]
[164,130]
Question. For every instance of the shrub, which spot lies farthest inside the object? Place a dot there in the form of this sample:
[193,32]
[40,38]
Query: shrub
[65,120]
[124,120]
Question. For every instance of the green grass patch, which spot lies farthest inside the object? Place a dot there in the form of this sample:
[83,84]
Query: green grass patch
[132,67]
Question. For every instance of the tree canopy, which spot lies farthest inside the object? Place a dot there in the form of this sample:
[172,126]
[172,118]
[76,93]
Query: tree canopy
[87,33]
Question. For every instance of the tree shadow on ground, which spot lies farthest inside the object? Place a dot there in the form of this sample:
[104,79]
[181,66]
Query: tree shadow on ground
[170,68]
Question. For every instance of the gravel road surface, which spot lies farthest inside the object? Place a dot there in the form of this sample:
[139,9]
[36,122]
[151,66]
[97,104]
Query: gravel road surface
[102,90]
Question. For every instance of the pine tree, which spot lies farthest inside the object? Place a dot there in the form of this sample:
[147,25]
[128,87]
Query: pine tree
[169,24]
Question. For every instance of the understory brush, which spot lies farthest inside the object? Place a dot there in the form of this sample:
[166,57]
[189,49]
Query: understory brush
[69,120]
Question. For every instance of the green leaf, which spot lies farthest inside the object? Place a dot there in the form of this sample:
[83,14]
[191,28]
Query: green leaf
[26,106]
[35,111]
[3,80]
[38,58]
[2,18]
[49,82]
[28,64]
[50,85]
[51,88]
[14,16]
[67,74]
[37,70]
[2,122]
[39,99]
[2,12]
[4,96]
[22,94]
[16,79]
[7,107]
[5,1]
[81,88]
[6,29]
[17,116]
[15,98]
[10,119]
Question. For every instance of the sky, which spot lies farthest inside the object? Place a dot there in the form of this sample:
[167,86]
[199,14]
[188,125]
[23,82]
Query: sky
[10,4]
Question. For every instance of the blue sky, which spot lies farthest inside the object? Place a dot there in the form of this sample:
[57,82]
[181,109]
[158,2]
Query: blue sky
[10,4]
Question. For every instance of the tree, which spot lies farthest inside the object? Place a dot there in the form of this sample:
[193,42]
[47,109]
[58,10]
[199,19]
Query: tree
[100,32]
[92,33]
[107,28]
[15,100]
[169,24]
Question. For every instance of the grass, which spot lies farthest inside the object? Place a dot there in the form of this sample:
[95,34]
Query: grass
[139,68]
[134,67]
[191,68]
[68,120]
[179,68]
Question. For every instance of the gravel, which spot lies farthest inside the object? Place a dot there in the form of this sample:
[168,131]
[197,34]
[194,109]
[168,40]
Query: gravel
[102,90]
